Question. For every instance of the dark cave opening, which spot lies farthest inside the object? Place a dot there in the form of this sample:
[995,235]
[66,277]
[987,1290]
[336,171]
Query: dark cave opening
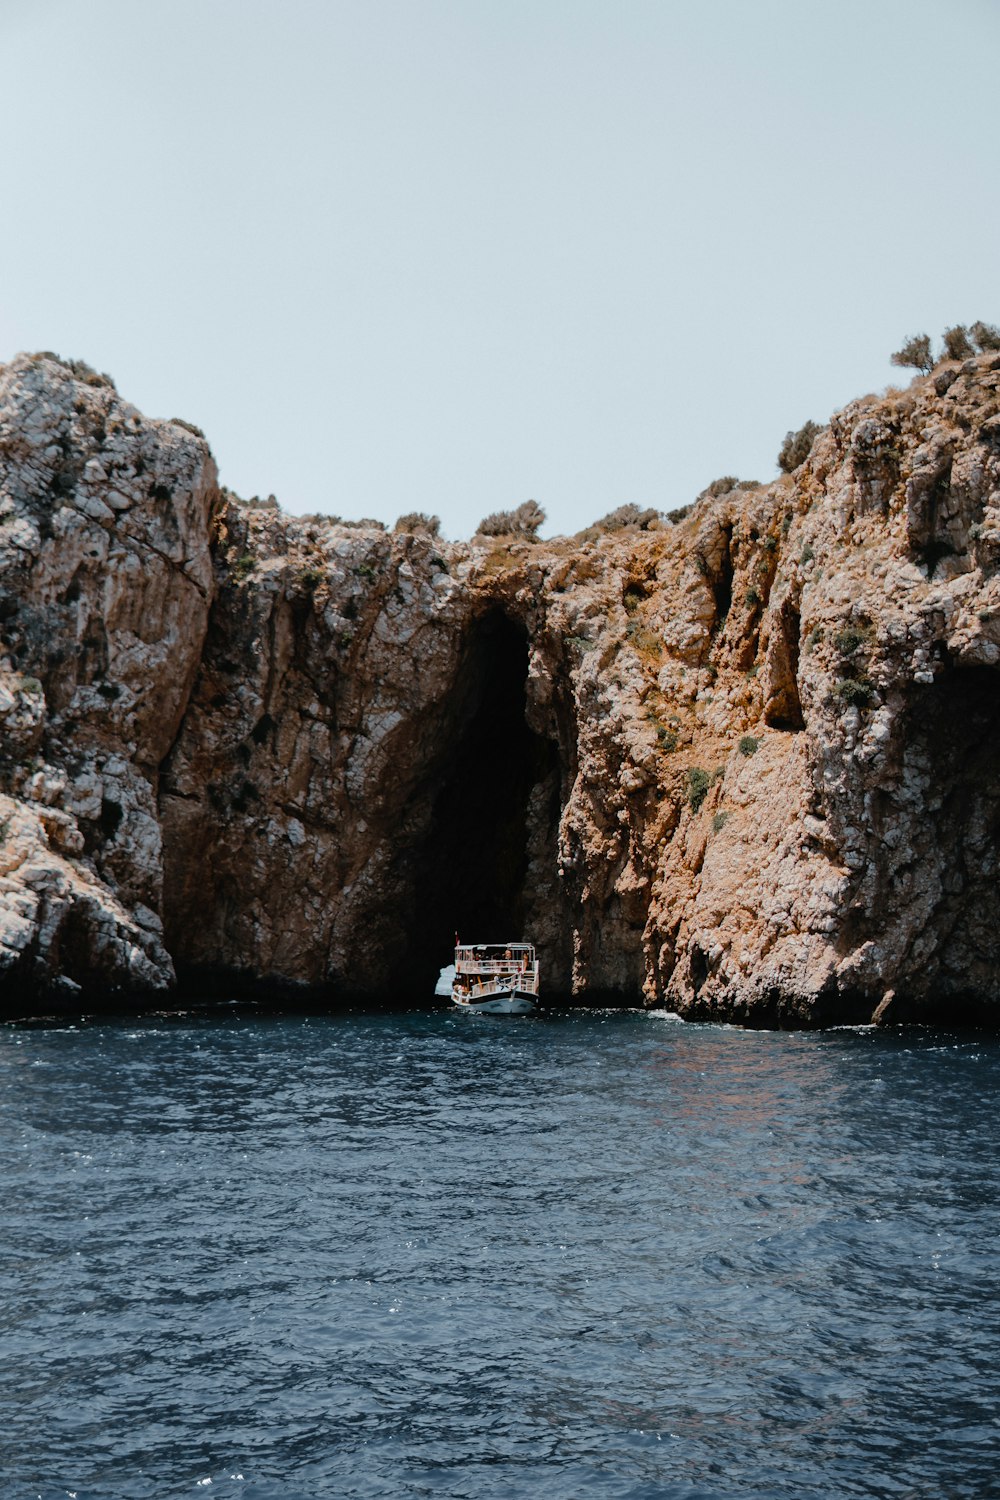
[470,870]
[783,706]
[946,864]
[722,584]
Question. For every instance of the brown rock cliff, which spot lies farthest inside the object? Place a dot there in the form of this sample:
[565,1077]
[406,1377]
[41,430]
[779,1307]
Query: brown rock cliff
[745,765]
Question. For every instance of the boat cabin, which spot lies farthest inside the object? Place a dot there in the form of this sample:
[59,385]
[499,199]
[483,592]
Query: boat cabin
[483,969]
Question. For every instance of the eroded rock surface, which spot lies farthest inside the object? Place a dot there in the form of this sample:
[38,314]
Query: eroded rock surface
[105,584]
[746,765]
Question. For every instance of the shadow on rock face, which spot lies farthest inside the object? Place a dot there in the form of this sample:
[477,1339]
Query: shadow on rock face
[937,901]
[469,871]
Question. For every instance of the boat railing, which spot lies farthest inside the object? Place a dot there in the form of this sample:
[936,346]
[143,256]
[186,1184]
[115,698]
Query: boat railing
[528,982]
[495,966]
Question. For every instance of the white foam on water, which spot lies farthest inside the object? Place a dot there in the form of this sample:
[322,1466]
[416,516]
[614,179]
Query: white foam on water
[443,986]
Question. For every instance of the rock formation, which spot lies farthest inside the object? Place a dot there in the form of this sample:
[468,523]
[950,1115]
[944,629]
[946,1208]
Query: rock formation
[745,764]
[105,586]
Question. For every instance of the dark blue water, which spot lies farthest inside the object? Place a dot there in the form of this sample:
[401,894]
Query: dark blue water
[439,1255]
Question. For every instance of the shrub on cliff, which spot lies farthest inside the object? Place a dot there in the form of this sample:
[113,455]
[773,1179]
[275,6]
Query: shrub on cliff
[698,783]
[727,483]
[497,523]
[856,691]
[985,337]
[627,516]
[722,486]
[418,521]
[848,640]
[957,344]
[796,447]
[526,520]
[915,354]
[643,640]
[77,367]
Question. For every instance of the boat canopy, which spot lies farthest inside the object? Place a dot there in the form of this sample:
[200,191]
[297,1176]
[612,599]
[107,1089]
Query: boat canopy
[487,950]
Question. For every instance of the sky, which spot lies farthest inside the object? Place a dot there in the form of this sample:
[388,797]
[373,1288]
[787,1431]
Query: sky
[450,255]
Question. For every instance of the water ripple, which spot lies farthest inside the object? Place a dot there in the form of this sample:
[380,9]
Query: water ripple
[427,1255]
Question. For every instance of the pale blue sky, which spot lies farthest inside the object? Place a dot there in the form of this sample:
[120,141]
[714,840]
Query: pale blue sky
[428,255]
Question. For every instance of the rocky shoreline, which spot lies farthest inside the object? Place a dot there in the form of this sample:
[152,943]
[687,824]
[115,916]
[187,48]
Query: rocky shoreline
[743,765]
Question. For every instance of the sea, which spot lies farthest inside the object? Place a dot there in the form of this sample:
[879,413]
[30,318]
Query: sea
[431,1254]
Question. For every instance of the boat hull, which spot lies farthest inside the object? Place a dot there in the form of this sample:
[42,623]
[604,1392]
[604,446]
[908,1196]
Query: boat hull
[510,1003]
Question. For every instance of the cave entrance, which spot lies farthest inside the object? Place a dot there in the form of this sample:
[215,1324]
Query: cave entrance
[469,873]
[943,863]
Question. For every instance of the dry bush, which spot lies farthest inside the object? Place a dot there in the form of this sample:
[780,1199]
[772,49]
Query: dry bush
[722,486]
[985,337]
[957,344]
[418,521]
[797,446]
[726,485]
[526,520]
[627,516]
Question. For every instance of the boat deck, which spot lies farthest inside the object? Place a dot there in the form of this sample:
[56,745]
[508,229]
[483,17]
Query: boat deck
[504,973]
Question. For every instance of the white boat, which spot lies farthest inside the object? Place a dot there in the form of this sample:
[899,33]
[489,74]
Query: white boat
[497,979]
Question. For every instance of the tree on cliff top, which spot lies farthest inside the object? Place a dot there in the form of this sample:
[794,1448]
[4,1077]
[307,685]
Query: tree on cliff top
[957,343]
[916,354]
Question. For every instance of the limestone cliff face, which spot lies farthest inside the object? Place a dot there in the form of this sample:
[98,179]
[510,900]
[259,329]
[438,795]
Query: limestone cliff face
[746,765]
[105,581]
